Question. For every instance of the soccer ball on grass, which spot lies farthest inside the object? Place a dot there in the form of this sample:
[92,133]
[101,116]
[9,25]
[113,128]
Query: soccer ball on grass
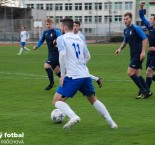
[57,116]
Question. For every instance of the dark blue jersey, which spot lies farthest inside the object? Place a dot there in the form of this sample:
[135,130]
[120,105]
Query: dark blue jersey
[134,35]
[50,36]
[150,29]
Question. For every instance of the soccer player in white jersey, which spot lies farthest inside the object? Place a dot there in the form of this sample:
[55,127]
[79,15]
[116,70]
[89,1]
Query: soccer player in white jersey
[76,29]
[24,36]
[73,56]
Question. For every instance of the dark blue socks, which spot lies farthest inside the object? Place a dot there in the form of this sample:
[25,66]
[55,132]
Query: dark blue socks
[148,81]
[50,75]
[138,83]
[144,83]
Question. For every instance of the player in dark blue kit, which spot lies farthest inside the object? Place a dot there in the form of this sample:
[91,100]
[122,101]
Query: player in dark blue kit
[50,35]
[150,65]
[137,40]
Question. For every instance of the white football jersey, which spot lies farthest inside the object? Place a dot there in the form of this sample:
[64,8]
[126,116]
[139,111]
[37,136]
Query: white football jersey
[75,49]
[24,35]
[82,36]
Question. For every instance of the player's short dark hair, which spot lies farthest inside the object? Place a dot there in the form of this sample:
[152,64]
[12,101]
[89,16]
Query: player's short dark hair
[128,14]
[153,16]
[68,22]
[77,22]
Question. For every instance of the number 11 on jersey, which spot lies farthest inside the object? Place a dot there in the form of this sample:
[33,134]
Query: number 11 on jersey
[77,49]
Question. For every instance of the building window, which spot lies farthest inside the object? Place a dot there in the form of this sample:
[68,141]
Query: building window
[78,18]
[88,30]
[30,6]
[58,7]
[40,6]
[58,19]
[49,6]
[50,17]
[88,19]
[68,7]
[98,19]
[140,23]
[108,6]
[118,5]
[69,17]
[98,6]
[78,6]
[118,18]
[88,6]
[128,5]
[107,19]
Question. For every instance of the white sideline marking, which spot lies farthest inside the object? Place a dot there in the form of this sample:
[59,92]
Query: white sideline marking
[33,75]
[108,54]
[20,74]
[116,81]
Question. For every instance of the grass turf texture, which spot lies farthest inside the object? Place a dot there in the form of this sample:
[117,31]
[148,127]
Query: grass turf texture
[25,106]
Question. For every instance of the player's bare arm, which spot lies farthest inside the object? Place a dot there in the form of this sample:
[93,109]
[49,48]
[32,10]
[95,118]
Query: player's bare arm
[62,61]
[144,43]
[121,48]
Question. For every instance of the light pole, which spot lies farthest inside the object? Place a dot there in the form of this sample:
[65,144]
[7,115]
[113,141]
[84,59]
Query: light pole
[109,2]
[97,19]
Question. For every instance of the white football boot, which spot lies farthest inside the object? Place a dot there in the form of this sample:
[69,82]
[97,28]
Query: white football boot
[72,122]
[113,125]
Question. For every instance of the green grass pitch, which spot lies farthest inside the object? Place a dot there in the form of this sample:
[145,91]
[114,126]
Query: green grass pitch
[25,106]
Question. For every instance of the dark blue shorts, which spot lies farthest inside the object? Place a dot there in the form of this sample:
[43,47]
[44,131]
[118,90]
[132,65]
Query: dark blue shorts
[135,62]
[150,60]
[53,60]
[71,86]
[23,43]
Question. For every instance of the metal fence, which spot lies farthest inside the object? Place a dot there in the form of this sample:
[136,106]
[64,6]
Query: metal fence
[10,30]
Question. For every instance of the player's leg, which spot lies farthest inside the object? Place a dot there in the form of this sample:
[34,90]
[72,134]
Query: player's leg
[53,61]
[21,49]
[27,49]
[150,68]
[149,74]
[97,79]
[138,73]
[60,104]
[100,107]
[55,65]
[49,72]
[88,90]
[147,93]
[151,63]
[70,87]
[136,80]
[141,84]
[135,67]
[149,71]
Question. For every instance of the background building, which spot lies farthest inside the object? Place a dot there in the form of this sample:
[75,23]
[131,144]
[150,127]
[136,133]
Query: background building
[13,18]
[100,19]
